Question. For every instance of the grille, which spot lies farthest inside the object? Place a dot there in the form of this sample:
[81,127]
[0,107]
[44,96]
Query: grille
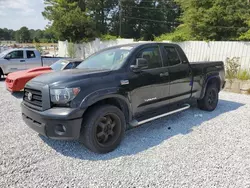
[36,99]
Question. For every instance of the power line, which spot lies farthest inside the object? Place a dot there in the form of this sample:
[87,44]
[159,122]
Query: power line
[149,8]
[225,27]
[143,2]
[144,19]
[136,1]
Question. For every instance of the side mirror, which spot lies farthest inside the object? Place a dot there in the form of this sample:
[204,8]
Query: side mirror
[141,64]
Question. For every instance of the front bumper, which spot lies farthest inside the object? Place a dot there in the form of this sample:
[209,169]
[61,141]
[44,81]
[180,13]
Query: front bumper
[14,85]
[55,123]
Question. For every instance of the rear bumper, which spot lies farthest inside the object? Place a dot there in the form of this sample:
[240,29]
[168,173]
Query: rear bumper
[58,123]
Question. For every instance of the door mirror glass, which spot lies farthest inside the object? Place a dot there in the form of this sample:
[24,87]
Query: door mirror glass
[141,64]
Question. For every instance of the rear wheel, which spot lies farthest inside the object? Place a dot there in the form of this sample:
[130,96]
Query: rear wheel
[210,100]
[103,128]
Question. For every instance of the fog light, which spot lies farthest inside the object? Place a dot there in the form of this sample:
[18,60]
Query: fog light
[60,129]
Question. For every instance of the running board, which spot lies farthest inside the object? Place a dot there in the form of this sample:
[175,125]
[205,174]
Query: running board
[136,123]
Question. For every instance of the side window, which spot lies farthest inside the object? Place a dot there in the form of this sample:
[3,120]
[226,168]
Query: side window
[15,55]
[152,55]
[77,63]
[31,54]
[69,66]
[172,56]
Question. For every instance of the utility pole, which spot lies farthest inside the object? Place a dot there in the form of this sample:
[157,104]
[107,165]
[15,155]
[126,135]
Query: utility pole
[120,18]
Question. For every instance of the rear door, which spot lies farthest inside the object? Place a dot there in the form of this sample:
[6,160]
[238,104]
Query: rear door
[31,60]
[16,61]
[180,74]
[149,88]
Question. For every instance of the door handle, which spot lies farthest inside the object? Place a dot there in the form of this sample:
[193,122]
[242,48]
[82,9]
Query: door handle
[164,74]
[22,60]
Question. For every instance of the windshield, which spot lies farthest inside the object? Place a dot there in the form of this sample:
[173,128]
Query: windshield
[59,65]
[111,59]
[4,53]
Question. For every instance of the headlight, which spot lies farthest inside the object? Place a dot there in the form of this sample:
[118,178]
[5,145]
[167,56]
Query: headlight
[63,96]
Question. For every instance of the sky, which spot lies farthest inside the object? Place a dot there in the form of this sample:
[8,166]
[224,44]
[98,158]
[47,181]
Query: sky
[15,14]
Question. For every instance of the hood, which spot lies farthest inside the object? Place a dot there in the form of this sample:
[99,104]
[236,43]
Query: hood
[38,69]
[34,71]
[66,76]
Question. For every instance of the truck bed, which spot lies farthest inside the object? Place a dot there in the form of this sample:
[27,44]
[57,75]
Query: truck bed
[207,63]
[206,66]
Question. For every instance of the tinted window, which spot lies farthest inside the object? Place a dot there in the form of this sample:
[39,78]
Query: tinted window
[70,66]
[172,56]
[16,54]
[152,55]
[77,63]
[31,54]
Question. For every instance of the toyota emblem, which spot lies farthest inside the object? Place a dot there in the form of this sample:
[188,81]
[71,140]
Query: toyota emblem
[30,96]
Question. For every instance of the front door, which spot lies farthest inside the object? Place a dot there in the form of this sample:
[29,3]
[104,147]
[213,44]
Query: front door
[180,75]
[149,88]
[15,62]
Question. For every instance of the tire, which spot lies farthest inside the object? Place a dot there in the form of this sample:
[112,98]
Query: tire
[1,73]
[210,100]
[103,129]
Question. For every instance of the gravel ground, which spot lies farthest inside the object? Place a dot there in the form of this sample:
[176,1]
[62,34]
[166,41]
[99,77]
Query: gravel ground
[189,149]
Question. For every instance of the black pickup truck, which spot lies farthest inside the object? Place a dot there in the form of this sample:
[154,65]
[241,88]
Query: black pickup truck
[116,89]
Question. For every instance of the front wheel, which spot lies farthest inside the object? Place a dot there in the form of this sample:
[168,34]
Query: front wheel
[210,100]
[103,128]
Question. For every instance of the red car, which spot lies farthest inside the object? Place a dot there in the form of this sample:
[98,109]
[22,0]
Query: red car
[16,81]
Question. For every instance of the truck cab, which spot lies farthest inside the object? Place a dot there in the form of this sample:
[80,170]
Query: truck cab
[22,59]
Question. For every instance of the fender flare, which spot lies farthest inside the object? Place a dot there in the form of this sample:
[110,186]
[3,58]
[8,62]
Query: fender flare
[106,93]
[209,78]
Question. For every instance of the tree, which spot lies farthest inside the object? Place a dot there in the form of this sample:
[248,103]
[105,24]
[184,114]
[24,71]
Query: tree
[32,35]
[99,11]
[74,20]
[23,35]
[71,50]
[215,19]
[141,18]
[70,20]
[6,34]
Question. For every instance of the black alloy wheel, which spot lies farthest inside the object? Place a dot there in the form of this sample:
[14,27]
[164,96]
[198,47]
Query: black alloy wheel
[108,129]
[210,100]
[103,128]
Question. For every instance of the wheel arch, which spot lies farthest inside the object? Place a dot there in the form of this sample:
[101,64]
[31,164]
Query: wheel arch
[215,79]
[117,100]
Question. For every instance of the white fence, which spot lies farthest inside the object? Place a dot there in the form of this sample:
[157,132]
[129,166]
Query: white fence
[86,49]
[3,48]
[217,51]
